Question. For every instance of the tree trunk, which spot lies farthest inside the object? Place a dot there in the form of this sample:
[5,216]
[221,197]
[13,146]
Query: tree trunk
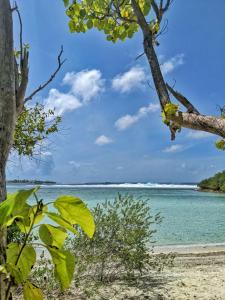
[192,120]
[7,109]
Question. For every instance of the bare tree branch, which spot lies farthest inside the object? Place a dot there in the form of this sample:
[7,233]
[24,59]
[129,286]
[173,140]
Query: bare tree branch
[21,80]
[42,86]
[183,100]
[150,53]
[21,32]
[161,9]
[24,73]
[192,119]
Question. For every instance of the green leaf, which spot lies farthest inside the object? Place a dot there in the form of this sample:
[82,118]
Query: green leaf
[82,13]
[66,2]
[89,24]
[64,263]
[170,109]
[14,204]
[31,292]
[75,211]
[52,236]
[28,217]
[220,144]
[62,222]
[21,268]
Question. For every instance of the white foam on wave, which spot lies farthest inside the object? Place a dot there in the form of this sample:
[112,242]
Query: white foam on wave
[122,185]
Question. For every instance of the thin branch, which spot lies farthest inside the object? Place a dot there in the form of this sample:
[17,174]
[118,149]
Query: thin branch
[139,56]
[21,84]
[42,86]
[21,33]
[183,100]
[167,5]
[160,10]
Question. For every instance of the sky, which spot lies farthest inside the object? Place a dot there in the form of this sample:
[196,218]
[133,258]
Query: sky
[111,126]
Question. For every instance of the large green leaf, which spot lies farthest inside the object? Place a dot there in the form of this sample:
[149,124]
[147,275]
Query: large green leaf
[31,292]
[52,236]
[21,268]
[14,204]
[28,217]
[66,2]
[76,212]
[62,222]
[64,263]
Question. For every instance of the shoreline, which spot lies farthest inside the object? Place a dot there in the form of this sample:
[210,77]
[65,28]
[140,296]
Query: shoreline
[194,249]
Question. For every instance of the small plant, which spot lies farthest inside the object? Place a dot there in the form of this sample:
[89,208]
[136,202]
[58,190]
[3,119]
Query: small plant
[21,251]
[121,246]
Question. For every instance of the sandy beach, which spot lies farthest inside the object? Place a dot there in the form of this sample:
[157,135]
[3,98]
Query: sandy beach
[198,273]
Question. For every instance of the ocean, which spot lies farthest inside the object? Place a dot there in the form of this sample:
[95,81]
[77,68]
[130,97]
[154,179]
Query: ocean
[190,217]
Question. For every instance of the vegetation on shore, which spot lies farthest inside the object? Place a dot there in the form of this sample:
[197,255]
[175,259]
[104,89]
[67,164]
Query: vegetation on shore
[120,251]
[214,183]
[26,181]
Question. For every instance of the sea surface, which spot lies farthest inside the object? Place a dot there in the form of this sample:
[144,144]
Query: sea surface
[190,217]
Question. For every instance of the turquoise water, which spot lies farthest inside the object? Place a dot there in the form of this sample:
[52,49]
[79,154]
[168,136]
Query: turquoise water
[189,216]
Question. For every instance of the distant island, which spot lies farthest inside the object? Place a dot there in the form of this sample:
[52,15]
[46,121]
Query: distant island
[215,183]
[26,181]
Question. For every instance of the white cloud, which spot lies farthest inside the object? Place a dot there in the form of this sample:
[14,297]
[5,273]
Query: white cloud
[103,140]
[61,102]
[119,168]
[134,78]
[198,135]
[174,148]
[86,84]
[46,153]
[128,120]
[169,65]
[84,87]
[75,164]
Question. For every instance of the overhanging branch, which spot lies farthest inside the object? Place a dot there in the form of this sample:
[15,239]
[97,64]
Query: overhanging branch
[42,86]
[183,100]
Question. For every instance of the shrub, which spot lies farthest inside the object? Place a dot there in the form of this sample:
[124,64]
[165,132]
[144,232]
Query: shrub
[121,247]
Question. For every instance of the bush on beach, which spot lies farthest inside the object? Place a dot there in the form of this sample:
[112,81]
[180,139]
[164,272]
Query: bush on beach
[122,246]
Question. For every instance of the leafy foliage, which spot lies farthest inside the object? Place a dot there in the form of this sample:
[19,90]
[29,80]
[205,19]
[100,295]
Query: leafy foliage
[121,245]
[215,183]
[220,144]
[21,256]
[116,18]
[33,126]
[170,110]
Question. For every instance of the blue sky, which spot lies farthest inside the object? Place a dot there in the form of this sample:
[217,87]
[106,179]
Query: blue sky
[111,128]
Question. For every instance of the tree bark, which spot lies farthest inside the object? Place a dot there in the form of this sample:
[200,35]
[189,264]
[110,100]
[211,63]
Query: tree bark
[211,124]
[7,110]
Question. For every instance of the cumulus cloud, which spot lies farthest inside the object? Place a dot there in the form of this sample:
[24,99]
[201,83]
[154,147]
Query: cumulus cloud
[134,78]
[174,148]
[128,120]
[84,86]
[169,65]
[198,135]
[103,140]
[61,102]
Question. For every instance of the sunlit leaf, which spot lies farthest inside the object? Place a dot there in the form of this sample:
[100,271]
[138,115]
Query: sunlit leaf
[62,222]
[20,266]
[31,292]
[14,204]
[52,236]
[76,212]
[64,263]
